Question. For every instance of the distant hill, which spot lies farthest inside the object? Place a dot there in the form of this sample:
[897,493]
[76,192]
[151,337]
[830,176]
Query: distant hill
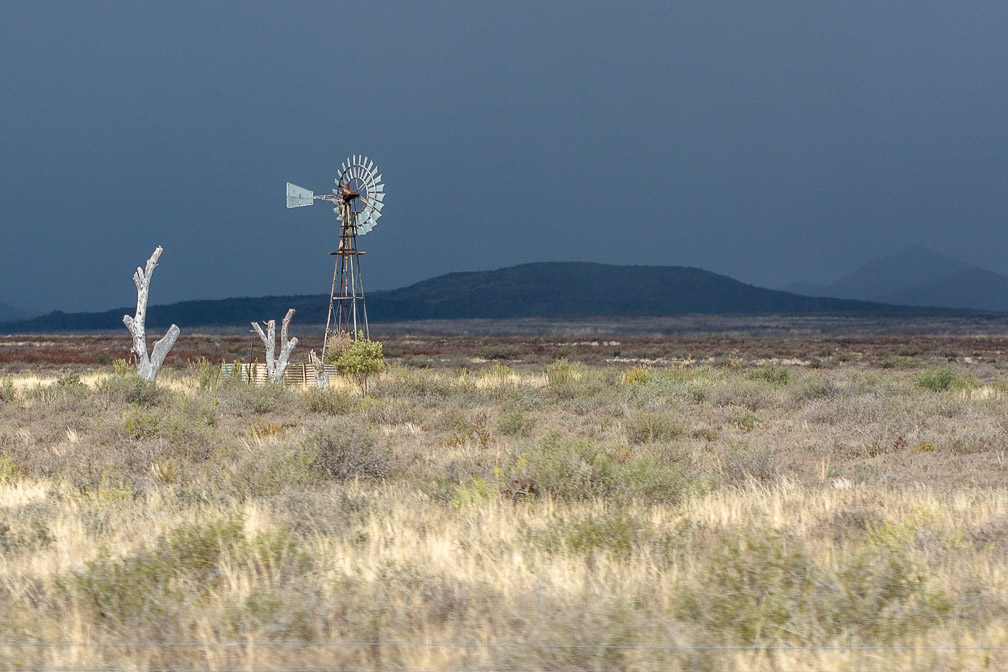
[558,289]
[917,276]
[553,289]
[972,288]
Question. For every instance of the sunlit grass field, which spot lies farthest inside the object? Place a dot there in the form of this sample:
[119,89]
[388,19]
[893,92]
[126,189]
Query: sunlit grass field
[730,513]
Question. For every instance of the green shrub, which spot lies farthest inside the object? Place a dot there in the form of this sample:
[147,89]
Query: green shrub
[498,373]
[344,450]
[474,491]
[745,422]
[582,469]
[744,463]
[817,388]
[141,425]
[152,586]
[563,352]
[761,587]
[243,398]
[651,426]
[190,431]
[359,360]
[69,379]
[562,372]
[638,375]
[515,423]
[574,380]
[775,375]
[147,586]
[7,392]
[426,388]
[944,380]
[615,531]
[886,596]
[502,352]
[66,387]
[897,362]
[389,412]
[280,466]
[24,537]
[206,373]
[9,472]
[328,402]
[132,389]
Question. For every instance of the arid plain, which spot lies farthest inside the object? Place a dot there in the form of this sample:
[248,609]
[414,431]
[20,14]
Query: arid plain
[799,494]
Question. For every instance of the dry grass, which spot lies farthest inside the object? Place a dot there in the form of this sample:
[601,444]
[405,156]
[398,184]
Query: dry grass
[549,516]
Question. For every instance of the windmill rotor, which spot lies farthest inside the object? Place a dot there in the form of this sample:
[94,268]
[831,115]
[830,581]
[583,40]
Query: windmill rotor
[360,189]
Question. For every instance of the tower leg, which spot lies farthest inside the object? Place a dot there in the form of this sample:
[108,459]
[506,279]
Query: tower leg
[328,320]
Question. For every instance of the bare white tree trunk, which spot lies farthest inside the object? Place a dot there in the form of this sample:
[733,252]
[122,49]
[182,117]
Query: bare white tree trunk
[148,365]
[321,375]
[275,366]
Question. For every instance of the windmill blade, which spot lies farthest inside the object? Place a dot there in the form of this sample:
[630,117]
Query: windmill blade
[298,197]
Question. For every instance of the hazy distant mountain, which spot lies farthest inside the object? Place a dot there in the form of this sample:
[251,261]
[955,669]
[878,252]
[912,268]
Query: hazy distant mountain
[917,276]
[9,313]
[530,290]
[967,288]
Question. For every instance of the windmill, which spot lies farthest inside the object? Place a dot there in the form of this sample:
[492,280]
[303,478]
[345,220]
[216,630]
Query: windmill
[357,200]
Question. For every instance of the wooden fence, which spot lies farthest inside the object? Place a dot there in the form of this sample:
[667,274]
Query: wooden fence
[296,375]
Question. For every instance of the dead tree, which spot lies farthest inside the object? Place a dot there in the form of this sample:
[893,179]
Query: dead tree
[321,375]
[148,365]
[275,367]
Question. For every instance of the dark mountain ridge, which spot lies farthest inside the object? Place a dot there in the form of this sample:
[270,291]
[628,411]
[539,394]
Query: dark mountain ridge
[546,289]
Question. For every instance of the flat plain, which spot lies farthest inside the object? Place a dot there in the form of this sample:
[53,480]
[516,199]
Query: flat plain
[764,494]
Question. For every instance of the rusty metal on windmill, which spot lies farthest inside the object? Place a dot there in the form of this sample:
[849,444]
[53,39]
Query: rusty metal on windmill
[357,200]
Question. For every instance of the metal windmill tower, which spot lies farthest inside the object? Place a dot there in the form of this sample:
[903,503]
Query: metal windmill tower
[358,200]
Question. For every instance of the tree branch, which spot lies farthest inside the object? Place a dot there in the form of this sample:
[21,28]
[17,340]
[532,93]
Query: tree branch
[275,367]
[147,368]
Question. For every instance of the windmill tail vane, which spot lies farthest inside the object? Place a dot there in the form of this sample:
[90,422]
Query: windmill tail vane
[358,199]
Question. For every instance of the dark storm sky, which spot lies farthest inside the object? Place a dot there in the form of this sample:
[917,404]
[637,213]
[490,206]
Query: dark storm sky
[770,141]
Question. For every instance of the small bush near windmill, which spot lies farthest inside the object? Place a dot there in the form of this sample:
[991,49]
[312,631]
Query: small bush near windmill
[359,360]
[943,380]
